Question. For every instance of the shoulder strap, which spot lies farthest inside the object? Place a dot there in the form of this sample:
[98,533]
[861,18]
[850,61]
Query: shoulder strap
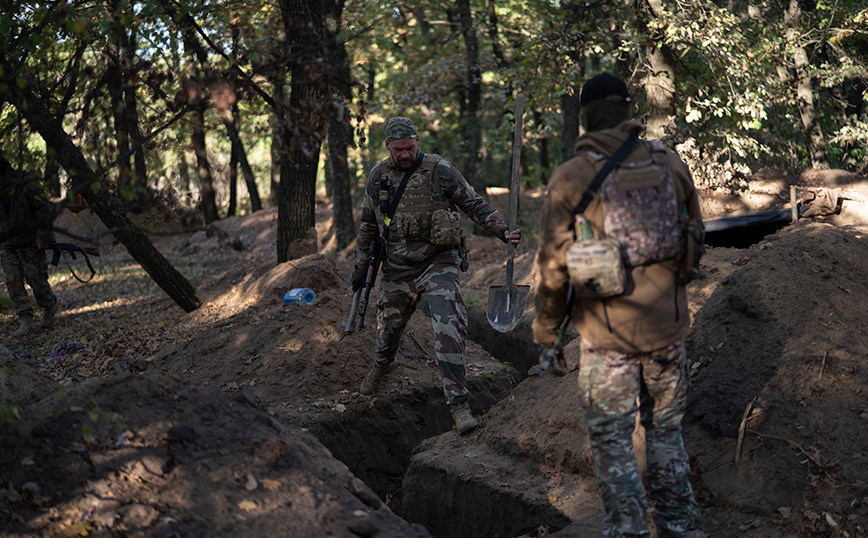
[619,155]
[400,192]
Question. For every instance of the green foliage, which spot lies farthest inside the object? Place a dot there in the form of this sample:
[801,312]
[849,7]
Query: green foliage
[736,104]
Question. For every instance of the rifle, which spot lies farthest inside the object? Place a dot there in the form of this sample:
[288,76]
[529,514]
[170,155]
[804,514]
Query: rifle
[376,250]
[60,248]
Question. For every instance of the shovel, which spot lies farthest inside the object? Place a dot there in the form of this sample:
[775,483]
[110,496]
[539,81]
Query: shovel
[506,303]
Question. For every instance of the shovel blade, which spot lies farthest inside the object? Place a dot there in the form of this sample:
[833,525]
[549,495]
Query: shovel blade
[506,306]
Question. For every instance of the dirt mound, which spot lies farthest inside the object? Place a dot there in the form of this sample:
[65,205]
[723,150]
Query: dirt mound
[158,456]
[777,413]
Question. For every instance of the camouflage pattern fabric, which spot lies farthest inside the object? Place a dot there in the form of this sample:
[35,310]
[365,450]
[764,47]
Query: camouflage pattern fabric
[641,207]
[410,229]
[27,265]
[614,387]
[400,128]
[400,290]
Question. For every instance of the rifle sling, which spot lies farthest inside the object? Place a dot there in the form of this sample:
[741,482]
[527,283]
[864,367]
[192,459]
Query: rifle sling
[619,155]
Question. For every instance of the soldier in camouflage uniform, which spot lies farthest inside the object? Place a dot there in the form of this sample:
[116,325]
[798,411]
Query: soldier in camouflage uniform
[26,230]
[422,256]
[632,354]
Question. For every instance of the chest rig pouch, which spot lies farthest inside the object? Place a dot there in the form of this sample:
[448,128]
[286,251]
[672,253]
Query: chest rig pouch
[445,221]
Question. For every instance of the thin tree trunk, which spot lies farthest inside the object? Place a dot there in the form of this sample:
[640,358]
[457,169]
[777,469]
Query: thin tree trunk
[104,204]
[233,183]
[277,115]
[115,80]
[195,90]
[183,167]
[340,135]
[544,162]
[472,126]
[203,167]
[570,115]
[128,57]
[805,89]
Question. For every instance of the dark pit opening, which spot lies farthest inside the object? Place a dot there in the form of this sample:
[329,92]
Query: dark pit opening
[375,440]
[742,231]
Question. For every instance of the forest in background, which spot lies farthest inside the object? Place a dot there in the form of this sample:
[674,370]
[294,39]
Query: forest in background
[227,107]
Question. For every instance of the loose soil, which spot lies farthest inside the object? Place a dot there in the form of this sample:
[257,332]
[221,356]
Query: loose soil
[242,418]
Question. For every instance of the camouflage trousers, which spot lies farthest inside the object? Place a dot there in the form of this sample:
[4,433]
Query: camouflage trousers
[614,387]
[27,265]
[399,295]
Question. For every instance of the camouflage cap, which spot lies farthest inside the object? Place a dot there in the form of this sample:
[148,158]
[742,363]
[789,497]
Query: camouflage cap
[400,128]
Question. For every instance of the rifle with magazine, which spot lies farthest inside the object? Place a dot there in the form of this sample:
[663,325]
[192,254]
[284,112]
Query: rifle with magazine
[60,249]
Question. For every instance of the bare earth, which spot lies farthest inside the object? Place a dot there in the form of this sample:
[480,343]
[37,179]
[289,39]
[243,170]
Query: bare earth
[243,417]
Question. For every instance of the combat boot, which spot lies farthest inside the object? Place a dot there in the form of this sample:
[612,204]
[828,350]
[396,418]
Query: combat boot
[27,326]
[377,373]
[48,316]
[464,421]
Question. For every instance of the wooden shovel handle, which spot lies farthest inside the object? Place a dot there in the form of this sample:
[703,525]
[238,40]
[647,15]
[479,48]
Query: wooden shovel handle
[513,184]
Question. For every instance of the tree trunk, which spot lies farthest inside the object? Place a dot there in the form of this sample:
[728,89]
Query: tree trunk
[195,88]
[303,131]
[241,156]
[472,126]
[544,163]
[659,80]
[233,183]
[203,167]
[104,204]
[570,115]
[340,135]
[131,106]
[278,95]
[183,167]
[805,89]
[51,175]
[115,80]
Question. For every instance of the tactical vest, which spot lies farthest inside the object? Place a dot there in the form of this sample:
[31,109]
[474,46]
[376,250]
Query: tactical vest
[640,207]
[422,196]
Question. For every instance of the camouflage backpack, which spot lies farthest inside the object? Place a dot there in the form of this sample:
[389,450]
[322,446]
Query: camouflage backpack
[640,207]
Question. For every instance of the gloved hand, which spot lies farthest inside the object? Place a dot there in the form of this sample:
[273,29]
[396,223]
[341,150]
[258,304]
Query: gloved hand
[360,274]
[558,364]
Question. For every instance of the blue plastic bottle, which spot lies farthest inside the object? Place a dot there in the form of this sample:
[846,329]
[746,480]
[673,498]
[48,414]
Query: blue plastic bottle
[299,295]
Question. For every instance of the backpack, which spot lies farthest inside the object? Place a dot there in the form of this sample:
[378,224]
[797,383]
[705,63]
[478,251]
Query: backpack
[640,207]
[642,221]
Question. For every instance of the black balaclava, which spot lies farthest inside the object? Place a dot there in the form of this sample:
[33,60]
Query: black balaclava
[604,102]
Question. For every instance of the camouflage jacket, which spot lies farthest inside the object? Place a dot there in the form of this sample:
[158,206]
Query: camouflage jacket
[26,213]
[652,313]
[409,245]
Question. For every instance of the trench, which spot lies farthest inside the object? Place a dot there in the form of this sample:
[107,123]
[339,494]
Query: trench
[742,231]
[376,441]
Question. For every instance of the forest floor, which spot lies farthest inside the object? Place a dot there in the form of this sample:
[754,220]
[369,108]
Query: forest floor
[242,418]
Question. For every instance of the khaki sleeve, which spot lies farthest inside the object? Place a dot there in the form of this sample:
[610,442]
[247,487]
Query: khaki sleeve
[556,233]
